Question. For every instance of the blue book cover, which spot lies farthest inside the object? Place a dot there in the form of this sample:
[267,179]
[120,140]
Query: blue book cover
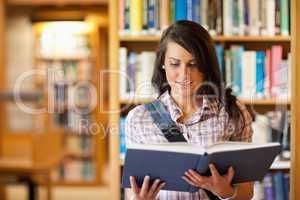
[220,55]
[196,11]
[122,138]
[151,14]
[260,72]
[237,52]
[169,161]
[286,186]
[189,14]
[180,10]
[278,185]
[268,187]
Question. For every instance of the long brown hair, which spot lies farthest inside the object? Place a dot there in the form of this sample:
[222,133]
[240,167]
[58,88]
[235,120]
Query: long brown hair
[196,40]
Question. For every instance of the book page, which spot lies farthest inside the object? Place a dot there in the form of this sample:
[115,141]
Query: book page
[233,146]
[178,147]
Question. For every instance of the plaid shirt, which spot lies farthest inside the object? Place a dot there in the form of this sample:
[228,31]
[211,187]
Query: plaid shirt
[208,125]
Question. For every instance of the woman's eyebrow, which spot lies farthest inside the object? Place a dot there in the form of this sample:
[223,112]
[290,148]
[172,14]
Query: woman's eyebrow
[174,58]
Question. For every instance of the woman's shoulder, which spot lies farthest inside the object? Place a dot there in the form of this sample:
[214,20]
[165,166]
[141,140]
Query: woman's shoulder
[138,114]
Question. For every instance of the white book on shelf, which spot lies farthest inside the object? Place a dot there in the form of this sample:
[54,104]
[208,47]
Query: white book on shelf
[254,20]
[144,73]
[241,10]
[123,72]
[248,74]
[270,14]
[261,129]
[227,17]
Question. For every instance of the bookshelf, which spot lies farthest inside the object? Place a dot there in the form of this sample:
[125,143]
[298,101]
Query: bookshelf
[75,64]
[96,60]
[140,42]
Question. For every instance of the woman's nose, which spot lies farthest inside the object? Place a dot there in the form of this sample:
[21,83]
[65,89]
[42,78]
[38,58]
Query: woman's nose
[184,71]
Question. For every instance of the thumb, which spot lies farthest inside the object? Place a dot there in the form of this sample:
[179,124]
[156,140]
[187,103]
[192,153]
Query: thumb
[230,174]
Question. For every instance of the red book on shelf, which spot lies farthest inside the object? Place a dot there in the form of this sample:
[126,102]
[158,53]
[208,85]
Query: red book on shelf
[268,70]
[276,61]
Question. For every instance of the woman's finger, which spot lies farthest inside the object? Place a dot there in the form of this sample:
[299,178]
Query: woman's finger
[195,174]
[189,181]
[145,186]
[214,171]
[154,187]
[193,178]
[230,174]
[134,186]
[160,186]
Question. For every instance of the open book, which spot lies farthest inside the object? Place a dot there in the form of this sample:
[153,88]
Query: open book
[169,161]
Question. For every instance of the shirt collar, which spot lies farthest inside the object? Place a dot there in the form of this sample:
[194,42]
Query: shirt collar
[209,106]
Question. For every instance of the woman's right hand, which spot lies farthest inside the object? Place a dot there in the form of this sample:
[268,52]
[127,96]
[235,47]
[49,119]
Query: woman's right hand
[147,192]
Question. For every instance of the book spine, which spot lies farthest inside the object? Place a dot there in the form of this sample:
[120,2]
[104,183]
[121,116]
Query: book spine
[172,11]
[284,17]
[260,73]
[164,14]
[127,16]
[189,14]
[121,16]
[145,15]
[135,16]
[196,11]
[180,10]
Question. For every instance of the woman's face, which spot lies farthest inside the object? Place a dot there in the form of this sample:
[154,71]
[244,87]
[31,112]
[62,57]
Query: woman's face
[181,71]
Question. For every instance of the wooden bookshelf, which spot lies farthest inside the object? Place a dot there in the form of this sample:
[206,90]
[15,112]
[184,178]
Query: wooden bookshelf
[156,38]
[117,40]
[295,101]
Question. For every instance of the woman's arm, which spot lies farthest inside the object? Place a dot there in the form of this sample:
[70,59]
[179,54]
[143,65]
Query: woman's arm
[244,191]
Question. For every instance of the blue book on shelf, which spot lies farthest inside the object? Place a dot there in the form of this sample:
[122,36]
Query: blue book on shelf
[286,186]
[237,52]
[151,14]
[196,11]
[268,187]
[180,10]
[169,161]
[122,138]
[278,185]
[260,72]
[220,55]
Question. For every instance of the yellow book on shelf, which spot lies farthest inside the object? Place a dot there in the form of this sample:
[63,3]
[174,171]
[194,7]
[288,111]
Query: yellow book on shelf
[135,16]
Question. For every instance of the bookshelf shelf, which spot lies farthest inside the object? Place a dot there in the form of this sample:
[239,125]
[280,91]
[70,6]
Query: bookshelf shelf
[63,58]
[280,164]
[155,38]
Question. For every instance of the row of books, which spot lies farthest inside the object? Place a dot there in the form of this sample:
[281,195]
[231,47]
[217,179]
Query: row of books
[73,121]
[75,170]
[135,74]
[79,146]
[227,17]
[77,97]
[251,74]
[274,126]
[67,70]
[256,74]
[60,45]
[275,186]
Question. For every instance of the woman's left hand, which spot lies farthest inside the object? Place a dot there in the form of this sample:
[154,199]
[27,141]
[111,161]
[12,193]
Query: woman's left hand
[218,184]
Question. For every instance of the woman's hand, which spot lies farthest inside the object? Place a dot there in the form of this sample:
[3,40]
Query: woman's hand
[147,192]
[216,183]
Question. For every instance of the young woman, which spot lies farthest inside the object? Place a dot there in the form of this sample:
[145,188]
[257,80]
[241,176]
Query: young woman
[189,83]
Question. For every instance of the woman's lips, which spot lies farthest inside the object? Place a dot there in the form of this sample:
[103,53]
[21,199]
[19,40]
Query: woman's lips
[184,83]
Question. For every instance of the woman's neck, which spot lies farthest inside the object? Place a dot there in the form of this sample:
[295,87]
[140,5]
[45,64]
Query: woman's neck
[187,104]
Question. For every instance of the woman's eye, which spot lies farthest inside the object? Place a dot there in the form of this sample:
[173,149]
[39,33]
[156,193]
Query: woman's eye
[174,64]
[192,65]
